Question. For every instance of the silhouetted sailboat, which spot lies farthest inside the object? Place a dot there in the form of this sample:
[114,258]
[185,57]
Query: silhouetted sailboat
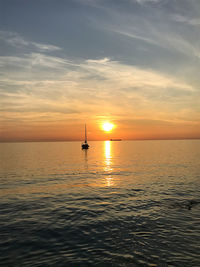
[85,144]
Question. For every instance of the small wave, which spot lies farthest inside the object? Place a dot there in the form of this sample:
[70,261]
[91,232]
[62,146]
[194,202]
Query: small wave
[183,204]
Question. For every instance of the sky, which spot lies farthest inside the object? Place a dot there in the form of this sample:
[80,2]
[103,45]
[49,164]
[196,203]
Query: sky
[134,63]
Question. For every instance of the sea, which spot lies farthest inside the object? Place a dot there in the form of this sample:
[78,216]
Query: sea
[119,203]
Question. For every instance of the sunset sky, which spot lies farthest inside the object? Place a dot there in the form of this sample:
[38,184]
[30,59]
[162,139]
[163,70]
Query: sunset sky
[133,63]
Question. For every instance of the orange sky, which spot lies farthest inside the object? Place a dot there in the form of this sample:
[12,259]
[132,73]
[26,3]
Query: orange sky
[141,104]
[138,69]
[63,131]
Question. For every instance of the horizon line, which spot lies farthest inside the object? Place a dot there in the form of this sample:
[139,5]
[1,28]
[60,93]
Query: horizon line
[144,139]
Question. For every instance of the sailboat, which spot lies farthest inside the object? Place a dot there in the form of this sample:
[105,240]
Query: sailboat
[85,144]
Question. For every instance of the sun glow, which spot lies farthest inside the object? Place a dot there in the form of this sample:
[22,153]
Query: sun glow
[107,126]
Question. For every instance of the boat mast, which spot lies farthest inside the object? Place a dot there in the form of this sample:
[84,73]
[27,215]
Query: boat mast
[85,134]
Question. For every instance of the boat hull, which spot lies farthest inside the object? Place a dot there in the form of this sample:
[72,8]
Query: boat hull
[85,146]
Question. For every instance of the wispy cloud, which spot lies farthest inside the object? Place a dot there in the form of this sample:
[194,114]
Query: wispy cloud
[137,36]
[16,40]
[185,19]
[98,61]
[154,25]
[94,86]
[146,1]
[160,35]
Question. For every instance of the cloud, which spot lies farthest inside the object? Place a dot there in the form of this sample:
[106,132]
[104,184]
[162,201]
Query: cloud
[147,1]
[41,84]
[159,35]
[43,108]
[45,47]
[185,19]
[137,37]
[152,27]
[99,61]
[100,3]
[16,40]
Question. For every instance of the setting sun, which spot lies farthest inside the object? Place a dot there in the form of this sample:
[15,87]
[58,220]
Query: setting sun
[107,126]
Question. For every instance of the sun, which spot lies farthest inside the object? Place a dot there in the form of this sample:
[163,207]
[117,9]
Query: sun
[107,126]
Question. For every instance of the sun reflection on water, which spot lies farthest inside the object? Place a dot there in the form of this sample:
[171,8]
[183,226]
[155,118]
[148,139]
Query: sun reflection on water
[108,163]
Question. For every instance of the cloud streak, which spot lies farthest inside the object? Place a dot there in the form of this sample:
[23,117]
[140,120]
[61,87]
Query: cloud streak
[110,87]
[16,40]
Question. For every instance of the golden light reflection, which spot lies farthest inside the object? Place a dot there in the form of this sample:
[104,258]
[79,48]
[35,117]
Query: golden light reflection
[109,181]
[108,162]
[86,158]
[108,156]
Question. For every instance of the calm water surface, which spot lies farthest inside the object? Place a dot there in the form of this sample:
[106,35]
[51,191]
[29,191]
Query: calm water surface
[117,204]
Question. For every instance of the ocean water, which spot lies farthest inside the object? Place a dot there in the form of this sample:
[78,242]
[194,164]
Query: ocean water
[128,203]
